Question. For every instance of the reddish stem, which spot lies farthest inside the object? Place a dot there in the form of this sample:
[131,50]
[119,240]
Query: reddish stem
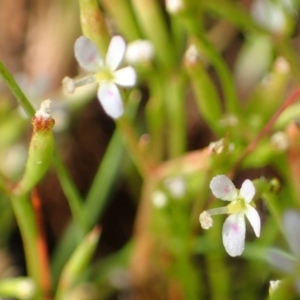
[43,256]
[291,100]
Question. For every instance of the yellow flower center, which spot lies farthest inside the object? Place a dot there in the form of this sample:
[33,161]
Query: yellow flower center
[105,74]
[237,206]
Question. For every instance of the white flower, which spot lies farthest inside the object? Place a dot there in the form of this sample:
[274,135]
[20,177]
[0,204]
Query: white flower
[270,15]
[274,284]
[139,51]
[234,228]
[159,199]
[192,54]
[176,186]
[104,72]
[174,6]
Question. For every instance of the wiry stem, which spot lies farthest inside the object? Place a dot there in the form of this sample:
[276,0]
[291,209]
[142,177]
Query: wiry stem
[291,100]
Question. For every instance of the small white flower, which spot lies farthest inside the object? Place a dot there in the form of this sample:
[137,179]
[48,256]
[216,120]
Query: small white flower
[139,51]
[192,54]
[176,186]
[234,228]
[273,286]
[220,146]
[159,199]
[270,15]
[105,72]
[174,6]
[280,141]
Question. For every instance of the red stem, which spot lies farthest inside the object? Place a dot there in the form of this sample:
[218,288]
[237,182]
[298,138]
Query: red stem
[291,100]
[42,246]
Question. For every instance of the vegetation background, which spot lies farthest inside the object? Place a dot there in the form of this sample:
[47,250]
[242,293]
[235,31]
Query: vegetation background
[221,70]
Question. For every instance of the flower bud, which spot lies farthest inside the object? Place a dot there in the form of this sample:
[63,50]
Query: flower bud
[40,149]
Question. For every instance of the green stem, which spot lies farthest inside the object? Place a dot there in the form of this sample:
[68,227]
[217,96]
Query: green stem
[131,141]
[27,224]
[15,89]
[77,263]
[97,198]
[155,116]
[154,27]
[214,57]
[71,192]
[272,202]
[69,188]
[122,14]
[206,96]
[230,97]
[218,272]
[288,102]
[175,107]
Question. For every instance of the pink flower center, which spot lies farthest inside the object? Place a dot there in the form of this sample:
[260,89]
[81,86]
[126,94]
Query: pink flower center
[235,227]
[226,189]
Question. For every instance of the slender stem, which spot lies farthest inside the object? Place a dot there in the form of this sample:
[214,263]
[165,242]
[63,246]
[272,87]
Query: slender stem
[155,116]
[72,194]
[230,97]
[26,220]
[43,256]
[131,140]
[15,89]
[214,57]
[218,273]
[289,101]
[175,108]
[143,236]
[272,204]
[98,195]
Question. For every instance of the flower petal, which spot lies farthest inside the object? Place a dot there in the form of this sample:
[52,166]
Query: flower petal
[233,234]
[223,188]
[110,98]
[115,53]
[125,76]
[254,219]
[281,261]
[291,224]
[247,190]
[87,54]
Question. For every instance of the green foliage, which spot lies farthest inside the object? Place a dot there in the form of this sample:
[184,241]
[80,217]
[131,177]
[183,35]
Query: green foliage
[218,72]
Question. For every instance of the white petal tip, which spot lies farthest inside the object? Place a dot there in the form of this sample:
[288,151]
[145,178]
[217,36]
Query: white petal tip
[233,235]
[223,188]
[87,54]
[247,190]
[125,77]
[110,98]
